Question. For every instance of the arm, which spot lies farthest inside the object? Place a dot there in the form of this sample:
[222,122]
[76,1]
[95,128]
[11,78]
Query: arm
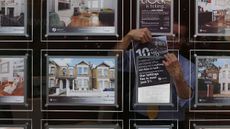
[174,69]
[142,35]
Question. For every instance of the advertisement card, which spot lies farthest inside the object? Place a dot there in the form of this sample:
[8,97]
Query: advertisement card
[153,80]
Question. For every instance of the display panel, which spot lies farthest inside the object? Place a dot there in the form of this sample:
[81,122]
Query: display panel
[83,127]
[90,17]
[81,124]
[209,124]
[89,80]
[213,80]
[13,15]
[168,102]
[162,10]
[12,76]
[151,128]
[154,127]
[209,74]
[83,80]
[153,124]
[213,127]
[212,17]
[151,73]
[16,80]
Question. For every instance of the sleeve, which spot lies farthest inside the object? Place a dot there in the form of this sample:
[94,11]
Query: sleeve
[126,61]
[188,69]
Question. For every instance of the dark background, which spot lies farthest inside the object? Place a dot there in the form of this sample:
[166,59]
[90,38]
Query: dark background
[37,45]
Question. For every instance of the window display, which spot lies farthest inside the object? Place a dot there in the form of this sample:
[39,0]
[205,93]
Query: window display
[84,127]
[81,124]
[213,80]
[82,80]
[82,17]
[151,73]
[152,124]
[209,124]
[213,17]
[212,127]
[162,10]
[13,17]
[12,76]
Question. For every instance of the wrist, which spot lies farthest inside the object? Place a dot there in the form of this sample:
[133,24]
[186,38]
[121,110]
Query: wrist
[130,35]
[179,79]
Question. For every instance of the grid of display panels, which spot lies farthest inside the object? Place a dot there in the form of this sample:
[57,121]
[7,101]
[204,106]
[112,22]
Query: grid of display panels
[153,124]
[16,20]
[160,96]
[16,80]
[82,21]
[81,124]
[210,76]
[79,81]
[161,17]
[209,124]
[211,21]
[15,124]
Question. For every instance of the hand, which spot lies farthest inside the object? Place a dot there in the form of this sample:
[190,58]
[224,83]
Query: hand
[143,35]
[173,67]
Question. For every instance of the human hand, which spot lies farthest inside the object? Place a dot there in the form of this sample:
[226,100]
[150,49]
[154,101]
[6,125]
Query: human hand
[173,67]
[143,35]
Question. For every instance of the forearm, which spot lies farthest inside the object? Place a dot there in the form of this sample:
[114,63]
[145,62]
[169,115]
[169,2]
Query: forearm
[125,42]
[184,91]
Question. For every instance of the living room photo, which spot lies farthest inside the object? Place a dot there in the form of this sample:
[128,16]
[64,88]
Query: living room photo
[81,16]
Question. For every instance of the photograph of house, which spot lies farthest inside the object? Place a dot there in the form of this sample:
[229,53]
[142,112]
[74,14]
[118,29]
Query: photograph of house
[12,13]
[213,80]
[81,16]
[12,76]
[84,78]
[213,17]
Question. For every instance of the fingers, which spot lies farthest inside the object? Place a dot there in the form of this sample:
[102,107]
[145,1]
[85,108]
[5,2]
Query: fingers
[170,58]
[148,34]
[165,63]
[145,35]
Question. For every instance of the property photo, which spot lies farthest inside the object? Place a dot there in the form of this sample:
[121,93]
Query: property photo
[12,17]
[82,16]
[213,17]
[12,12]
[12,72]
[213,80]
[82,80]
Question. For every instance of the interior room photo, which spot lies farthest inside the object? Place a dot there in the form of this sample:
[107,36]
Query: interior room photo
[12,76]
[69,15]
[12,12]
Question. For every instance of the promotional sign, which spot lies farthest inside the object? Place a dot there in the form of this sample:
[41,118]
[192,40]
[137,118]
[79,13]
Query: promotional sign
[153,80]
[156,15]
